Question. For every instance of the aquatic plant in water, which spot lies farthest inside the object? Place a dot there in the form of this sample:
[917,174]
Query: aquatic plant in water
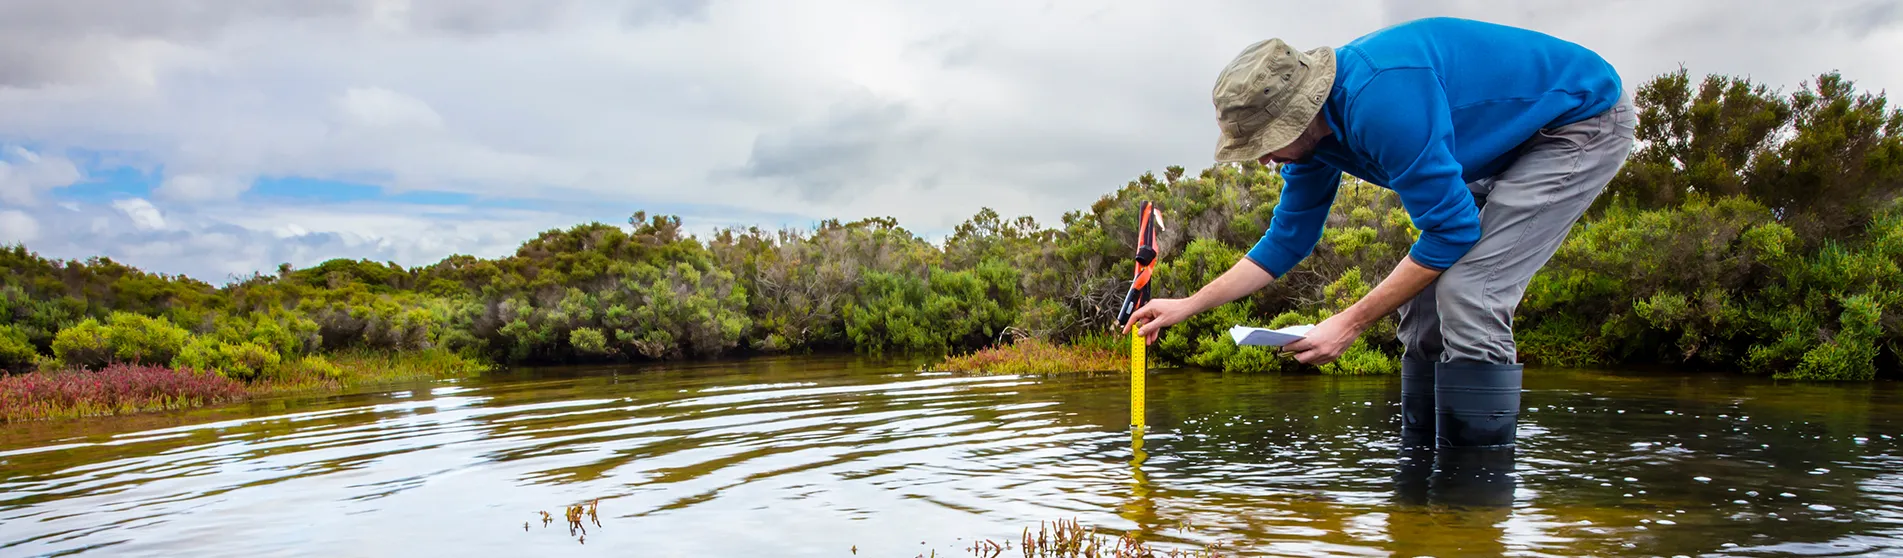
[1070,539]
[116,389]
[573,513]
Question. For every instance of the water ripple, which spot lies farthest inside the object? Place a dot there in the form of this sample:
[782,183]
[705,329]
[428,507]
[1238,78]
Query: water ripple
[817,457]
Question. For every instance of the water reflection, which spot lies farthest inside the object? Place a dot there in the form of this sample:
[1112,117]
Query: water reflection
[817,457]
[1472,485]
[1141,508]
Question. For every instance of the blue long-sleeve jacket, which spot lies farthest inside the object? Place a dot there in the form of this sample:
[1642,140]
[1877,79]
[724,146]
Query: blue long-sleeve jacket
[1422,108]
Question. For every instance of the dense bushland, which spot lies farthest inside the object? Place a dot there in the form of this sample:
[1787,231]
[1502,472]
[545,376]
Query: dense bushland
[1752,231]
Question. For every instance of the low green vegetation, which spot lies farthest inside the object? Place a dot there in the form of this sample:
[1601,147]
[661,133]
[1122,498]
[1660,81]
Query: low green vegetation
[1098,353]
[116,389]
[1752,231]
[120,387]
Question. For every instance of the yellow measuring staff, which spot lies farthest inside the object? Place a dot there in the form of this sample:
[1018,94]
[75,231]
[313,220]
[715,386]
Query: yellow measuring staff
[1148,220]
[1136,379]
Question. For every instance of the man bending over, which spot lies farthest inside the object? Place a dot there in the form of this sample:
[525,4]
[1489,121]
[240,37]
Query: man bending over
[1496,140]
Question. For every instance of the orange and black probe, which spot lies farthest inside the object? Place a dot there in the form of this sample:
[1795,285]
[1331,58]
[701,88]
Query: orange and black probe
[1139,293]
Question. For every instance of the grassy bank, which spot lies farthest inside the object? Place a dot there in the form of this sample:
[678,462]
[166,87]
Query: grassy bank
[1110,353]
[360,367]
[118,389]
[122,388]
[1037,356]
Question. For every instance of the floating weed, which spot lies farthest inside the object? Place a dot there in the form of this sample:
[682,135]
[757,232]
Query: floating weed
[1070,539]
[576,511]
[574,514]
[986,548]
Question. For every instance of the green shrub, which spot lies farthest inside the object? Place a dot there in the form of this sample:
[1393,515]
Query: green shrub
[683,310]
[1362,359]
[588,341]
[144,340]
[85,345]
[239,361]
[1203,340]
[287,333]
[1046,319]
[1561,341]
[16,353]
[126,337]
[311,366]
[1851,353]
[891,314]
[40,318]
[951,310]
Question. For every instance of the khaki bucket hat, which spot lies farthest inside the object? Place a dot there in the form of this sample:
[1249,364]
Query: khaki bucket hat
[1267,96]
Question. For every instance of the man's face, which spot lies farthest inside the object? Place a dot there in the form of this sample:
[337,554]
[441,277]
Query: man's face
[1300,149]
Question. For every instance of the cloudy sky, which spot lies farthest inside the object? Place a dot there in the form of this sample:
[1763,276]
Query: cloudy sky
[220,137]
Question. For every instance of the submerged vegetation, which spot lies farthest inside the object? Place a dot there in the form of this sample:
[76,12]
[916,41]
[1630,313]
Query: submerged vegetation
[1753,231]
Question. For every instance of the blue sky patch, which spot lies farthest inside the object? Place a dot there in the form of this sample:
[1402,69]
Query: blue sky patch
[105,185]
[300,189]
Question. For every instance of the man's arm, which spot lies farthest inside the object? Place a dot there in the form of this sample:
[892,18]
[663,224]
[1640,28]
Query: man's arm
[1333,336]
[1308,192]
[1242,278]
[1295,226]
[1407,280]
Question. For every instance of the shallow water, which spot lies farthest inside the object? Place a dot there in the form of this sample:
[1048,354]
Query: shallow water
[828,456]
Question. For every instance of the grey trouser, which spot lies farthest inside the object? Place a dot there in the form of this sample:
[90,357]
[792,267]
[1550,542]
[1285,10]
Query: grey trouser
[1467,313]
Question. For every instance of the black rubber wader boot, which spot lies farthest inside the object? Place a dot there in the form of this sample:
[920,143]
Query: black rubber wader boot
[1413,475]
[1477,404]
[1473,477]
[1417,403]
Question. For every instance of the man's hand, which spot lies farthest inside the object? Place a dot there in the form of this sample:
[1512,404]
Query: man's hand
[1160,313]
[1332,337]
[1242,278]
[1326,342]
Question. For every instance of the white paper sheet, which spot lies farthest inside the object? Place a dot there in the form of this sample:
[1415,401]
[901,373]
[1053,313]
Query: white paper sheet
[1245,335]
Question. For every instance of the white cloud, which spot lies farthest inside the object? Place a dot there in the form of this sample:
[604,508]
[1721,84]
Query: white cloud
[217,241]
[142,213]
[195,187]
[827,108]
[376,107]
[18,227]
[25,175]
